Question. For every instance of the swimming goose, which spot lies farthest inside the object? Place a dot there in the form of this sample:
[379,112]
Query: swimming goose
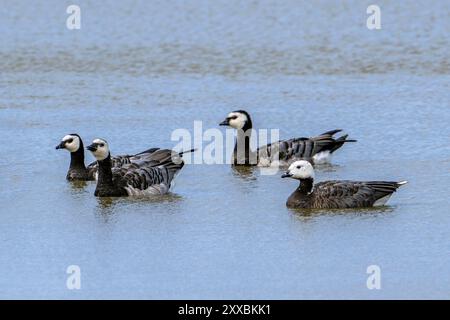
[151,174]
[336,194]
[316,150]
[78,170]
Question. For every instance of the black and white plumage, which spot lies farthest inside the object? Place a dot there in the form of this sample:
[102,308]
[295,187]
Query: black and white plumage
[78,170]
[336,194]
[317,150]
[149,173]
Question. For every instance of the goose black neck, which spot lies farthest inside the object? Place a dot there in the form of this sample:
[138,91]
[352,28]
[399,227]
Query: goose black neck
[77,158]
[306,186]
[243,141]
[248,124]
[104,171]
[242,147]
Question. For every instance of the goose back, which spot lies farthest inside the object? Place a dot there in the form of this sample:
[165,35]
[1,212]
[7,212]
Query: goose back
[119,161]
[147,173]
[315,150]
[344,194]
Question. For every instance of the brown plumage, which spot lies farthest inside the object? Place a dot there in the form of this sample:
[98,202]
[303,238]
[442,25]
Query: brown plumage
[336,194]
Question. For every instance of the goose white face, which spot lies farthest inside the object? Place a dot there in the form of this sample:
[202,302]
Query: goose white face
[71,142]
[237,120]
[99,149]
[300,170]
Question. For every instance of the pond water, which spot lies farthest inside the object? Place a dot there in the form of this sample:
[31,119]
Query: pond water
[138,70]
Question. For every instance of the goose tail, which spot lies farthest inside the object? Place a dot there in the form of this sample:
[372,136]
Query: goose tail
[339,142]
[186,151]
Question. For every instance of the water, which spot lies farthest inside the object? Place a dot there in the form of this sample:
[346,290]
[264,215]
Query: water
[137,70]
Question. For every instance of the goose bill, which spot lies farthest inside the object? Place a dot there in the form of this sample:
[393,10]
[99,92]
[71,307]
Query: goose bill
[61,145]
[92,147]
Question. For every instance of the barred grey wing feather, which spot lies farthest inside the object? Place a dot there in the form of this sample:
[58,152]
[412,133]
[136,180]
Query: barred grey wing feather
[302,148]
[343,194]
[156,170]
[350,194]
[121,160]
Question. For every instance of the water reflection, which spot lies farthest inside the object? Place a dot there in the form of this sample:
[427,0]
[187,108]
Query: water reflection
[109,206]
[251,172]
[326,167]
[78,185]
[105,207]
[79,189]
[247,173]
[308,214]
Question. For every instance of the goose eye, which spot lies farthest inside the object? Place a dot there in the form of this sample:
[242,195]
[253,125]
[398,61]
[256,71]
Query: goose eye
[233,117]
[101,145]
[69,141]
[298,167]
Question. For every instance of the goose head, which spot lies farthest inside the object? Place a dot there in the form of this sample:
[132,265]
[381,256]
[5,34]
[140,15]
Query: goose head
[99,149]
[300,170]
[238,119]
[71,142]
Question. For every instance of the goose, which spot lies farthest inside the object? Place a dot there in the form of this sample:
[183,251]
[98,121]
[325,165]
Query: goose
[317,150]
[152,173]
[78,170]
[336,194]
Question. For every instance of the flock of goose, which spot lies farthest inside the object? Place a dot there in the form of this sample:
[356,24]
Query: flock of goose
[153,171]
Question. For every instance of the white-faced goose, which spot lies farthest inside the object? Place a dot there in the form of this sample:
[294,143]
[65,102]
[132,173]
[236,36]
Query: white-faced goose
[336,194]
[151,174]
[317,150]
[78,170]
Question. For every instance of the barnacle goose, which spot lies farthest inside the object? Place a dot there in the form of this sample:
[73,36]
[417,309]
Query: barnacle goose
[78,170]
[316,150]
[150,173]
[336,194]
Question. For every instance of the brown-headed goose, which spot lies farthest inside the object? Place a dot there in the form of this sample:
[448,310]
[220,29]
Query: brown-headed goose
[336,194]
[153,173]
[316,150]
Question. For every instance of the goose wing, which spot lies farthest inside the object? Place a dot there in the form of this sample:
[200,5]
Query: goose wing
[382,189]
[150,173]
[120,160]
[351,194]
[302,148]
